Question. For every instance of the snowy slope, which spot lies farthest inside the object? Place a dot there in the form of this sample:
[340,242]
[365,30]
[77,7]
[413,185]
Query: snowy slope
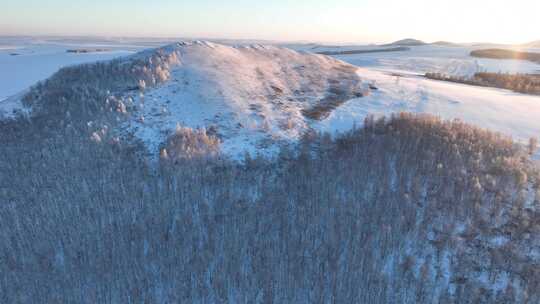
[27,60]
[510,113]
[252,96]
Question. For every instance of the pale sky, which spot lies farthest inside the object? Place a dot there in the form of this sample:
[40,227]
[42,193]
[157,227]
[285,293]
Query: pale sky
[338,21]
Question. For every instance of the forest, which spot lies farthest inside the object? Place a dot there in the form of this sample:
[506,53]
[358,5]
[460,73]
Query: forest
[408,208]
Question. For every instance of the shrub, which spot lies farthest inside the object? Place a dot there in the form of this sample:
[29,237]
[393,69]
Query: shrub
[189,144]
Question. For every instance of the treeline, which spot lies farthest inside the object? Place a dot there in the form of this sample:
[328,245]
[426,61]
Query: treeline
[92,98]
[85,51]
[506,54]
[521,83]
[354,52]
[83,89]
[407,209]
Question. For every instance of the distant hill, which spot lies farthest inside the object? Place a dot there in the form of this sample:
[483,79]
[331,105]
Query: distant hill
[416,42]
[407,42]
[445,43]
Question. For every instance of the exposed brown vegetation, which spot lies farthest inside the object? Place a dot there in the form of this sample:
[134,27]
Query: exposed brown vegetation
[187,144]
[521,83]
[336,96]
[326,106]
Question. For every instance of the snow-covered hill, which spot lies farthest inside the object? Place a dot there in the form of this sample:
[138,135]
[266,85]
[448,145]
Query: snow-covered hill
[254,98]
[251,97]
[258,96]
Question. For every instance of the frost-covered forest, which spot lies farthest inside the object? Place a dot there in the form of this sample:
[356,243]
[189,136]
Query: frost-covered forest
[408,208]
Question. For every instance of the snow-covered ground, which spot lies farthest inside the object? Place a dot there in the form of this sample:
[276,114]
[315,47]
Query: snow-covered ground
[453,60]
[23,64]
[499,110]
